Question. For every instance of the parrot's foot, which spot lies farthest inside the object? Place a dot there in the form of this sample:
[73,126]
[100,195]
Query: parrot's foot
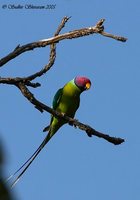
[71,122]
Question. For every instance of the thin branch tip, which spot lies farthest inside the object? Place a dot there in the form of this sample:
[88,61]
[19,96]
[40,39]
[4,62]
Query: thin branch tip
[100,22]
[67,18]
[17,47]
[123,39]
[34,85]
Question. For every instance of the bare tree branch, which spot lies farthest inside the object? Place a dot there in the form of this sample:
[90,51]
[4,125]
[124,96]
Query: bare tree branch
[23,82]
[98,29]
[45,69]
[89,130]
[52,54]
[26,80]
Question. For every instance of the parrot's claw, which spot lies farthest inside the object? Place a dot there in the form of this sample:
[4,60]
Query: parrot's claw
[71,123]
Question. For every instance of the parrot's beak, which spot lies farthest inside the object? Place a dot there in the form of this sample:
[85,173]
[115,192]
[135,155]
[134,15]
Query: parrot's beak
[88,85]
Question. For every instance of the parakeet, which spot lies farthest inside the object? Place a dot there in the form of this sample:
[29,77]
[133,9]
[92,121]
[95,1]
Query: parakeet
[66,100]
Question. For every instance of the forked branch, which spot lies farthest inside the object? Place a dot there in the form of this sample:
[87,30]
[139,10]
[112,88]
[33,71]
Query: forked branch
[23,82]
[98,29]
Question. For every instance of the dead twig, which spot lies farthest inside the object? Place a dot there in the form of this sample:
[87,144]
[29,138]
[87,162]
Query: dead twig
[98,29]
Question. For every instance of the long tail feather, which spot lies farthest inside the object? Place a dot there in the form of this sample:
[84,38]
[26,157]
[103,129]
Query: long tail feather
[25,166]
[24,170]
[12,175]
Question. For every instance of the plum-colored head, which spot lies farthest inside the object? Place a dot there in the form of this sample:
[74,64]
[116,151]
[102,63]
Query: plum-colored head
[82,83]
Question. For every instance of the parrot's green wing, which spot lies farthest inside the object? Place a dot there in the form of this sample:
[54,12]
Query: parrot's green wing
[57,98]
[55,103]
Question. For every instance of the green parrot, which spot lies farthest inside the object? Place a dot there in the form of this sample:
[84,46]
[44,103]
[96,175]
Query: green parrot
[66,101]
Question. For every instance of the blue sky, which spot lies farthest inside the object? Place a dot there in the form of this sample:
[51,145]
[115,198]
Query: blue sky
[73,166]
